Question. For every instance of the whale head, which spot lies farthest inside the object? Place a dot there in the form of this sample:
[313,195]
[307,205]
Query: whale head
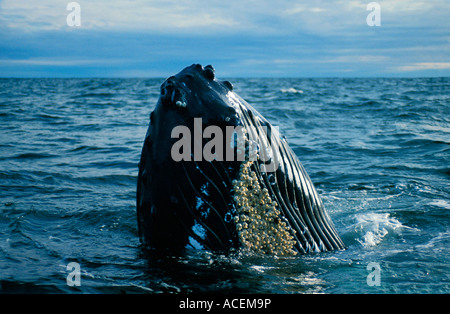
[215,174]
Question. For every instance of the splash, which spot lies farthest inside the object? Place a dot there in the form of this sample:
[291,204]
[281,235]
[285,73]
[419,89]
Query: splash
[374,227]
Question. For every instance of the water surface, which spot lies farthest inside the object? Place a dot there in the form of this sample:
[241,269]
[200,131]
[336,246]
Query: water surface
[376,149]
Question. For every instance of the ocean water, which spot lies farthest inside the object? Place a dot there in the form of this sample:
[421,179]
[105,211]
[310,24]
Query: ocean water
[377,150]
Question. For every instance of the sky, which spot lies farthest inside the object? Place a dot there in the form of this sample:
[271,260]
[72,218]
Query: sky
[246,38]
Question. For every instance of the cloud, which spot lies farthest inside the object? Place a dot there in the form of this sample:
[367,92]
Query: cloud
[233,16]
[44,15]
[420,66]
[56,62]
[357,59]
[243,38]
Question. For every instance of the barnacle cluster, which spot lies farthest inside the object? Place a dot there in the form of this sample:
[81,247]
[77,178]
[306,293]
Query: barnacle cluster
[260,226]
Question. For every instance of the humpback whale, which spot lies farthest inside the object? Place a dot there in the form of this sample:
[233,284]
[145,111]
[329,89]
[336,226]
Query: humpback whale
[215,174]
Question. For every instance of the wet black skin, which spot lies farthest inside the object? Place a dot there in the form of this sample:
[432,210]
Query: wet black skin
[167,190]
[175,198]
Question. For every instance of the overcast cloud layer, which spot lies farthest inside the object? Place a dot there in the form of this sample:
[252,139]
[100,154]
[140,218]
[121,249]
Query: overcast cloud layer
[240,38]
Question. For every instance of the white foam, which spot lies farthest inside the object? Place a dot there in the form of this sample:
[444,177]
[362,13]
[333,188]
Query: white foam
[373,227]
[291,90]
[441,203]
[261,269]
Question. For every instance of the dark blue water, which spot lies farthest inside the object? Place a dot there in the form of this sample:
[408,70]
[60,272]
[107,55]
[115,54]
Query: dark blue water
[378,151]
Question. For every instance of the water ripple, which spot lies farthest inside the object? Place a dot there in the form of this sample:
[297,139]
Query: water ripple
[376,149]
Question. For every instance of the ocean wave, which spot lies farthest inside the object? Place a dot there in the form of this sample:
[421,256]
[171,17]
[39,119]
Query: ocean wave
[33,155]
[439,241]
[88,148]
[99,94]
[113,179]
[291,90]
[441,203]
